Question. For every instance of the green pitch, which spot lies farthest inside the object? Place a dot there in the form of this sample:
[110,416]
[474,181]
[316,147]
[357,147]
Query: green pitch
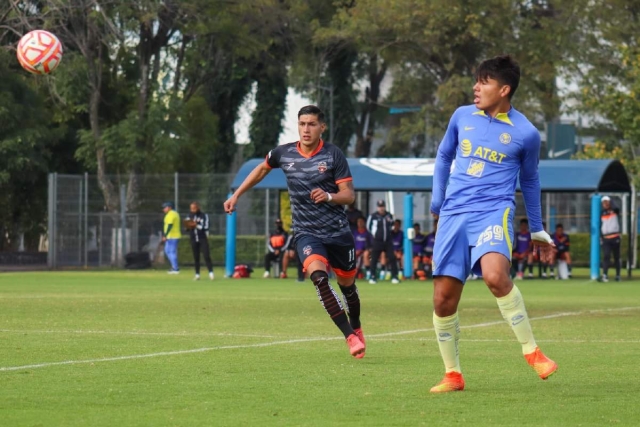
[148,349]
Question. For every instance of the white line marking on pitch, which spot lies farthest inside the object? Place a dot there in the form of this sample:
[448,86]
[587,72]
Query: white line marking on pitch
[622,341]
[170,334]
[269,344]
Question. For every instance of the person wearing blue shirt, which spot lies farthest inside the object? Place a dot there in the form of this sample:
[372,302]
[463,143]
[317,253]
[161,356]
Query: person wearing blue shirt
[486,148]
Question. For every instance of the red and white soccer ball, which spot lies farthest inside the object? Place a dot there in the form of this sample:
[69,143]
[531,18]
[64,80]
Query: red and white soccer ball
[39,52]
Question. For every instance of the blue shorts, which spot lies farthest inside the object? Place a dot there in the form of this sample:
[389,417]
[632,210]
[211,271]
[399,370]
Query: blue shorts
[462,239]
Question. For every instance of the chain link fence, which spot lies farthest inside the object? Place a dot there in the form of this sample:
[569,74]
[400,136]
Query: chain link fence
[85,232]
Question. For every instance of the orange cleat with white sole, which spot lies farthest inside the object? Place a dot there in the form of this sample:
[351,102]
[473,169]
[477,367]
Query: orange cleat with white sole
[452,381]
[360,336]
[356,347]
[540,363]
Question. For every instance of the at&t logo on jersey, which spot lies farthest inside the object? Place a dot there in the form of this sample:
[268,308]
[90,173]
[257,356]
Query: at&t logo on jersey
[466,147]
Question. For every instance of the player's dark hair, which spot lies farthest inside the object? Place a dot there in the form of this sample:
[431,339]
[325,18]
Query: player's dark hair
[398,221]
[524,221]
[559,226]
[312,110]
[416,225]
[502,68]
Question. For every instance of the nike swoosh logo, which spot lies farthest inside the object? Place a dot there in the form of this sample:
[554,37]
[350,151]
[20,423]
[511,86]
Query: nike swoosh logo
[469,128]
[493,243]
[557,154]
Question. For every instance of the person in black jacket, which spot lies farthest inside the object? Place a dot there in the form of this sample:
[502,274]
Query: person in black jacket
[198,225]
[278,244]
[379,225]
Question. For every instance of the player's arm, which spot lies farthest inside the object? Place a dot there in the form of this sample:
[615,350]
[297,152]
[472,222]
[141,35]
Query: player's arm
[346,194]
[444,159]
[257,174]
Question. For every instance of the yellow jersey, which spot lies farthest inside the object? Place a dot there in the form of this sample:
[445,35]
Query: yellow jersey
[172,218]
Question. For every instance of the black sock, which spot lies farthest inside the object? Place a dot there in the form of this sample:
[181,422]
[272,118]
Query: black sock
[530,268]
[331,302]
[353,304]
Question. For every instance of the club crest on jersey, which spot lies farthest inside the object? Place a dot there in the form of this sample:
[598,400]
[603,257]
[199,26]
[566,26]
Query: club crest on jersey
[322,167]
[476,167]
[307,250]
[505,138]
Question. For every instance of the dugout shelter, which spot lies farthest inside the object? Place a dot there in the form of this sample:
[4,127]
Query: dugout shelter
[412,175]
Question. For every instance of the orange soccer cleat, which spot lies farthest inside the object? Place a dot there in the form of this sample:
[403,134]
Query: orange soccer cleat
[540,363]
[452,381]
[356,347]
[360,336]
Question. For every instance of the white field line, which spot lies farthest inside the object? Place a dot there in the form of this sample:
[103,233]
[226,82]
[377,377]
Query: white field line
[168,334]
[515,341]
[294,341]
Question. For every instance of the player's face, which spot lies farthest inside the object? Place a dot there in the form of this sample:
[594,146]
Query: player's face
[489,93]
[166,209]
[559,231]
[193,208]
[310,129]
[360,223]
[606,204]
[523,228]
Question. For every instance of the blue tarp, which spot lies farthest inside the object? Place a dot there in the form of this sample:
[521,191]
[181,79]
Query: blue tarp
[380,174]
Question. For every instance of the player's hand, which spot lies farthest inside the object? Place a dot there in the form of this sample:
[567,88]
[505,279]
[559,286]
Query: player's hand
[164,239]
[319,196]
[230,204]
[277,252]
[543,241]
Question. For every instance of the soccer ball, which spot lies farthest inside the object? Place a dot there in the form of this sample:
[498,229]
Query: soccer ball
[39,52]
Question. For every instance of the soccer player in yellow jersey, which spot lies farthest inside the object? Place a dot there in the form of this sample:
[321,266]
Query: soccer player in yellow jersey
[171,235]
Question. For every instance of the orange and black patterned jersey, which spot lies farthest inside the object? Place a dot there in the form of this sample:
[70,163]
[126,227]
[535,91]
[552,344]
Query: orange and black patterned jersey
[325,168]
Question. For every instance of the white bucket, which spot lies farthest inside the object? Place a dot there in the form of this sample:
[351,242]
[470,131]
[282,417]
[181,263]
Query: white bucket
[563,270]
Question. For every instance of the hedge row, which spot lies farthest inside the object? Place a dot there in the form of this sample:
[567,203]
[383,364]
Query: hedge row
[251,249]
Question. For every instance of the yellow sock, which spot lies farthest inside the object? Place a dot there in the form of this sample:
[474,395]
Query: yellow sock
[513,310]
[448,332]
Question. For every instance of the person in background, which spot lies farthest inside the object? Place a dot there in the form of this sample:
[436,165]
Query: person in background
[171,235]
[379,225]
[419,256]
[363,242]
[610,238]
[562,241]
[522,250]
[289,254]
[197,222]
[397,237]
[353,214]
[278,243]
[429,243]
[534,256]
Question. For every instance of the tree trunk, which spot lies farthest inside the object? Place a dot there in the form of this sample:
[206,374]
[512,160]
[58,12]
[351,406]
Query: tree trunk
[366,125]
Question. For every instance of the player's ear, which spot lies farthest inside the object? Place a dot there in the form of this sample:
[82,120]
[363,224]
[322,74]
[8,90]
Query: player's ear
[505,90]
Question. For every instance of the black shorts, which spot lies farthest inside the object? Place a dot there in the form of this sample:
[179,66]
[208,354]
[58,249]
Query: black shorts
[340,254]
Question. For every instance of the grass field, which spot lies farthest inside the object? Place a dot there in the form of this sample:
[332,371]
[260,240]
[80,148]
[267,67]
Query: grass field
[147,349]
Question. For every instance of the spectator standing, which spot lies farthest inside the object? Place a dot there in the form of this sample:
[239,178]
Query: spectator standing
[610,237]
[197,222]
[379,225]
[171,235]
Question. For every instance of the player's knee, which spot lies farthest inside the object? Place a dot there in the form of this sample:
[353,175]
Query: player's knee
[497,281]
[319,277]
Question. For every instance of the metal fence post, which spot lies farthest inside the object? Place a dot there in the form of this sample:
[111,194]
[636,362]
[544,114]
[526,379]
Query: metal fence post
[86,219]
[123,219]
[175,191]
[50,221]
